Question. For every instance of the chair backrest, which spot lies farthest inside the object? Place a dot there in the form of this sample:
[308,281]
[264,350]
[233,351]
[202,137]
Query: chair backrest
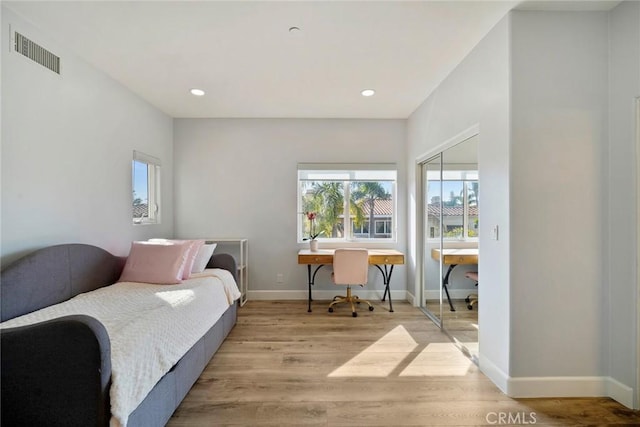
[350,266]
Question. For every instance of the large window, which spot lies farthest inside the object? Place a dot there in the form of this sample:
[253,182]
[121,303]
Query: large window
[347,199]
[459,204]
[146,189]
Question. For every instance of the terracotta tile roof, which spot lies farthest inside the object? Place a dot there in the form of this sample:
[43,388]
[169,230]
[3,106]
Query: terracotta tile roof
[385,208]
[381,207]
[434,209]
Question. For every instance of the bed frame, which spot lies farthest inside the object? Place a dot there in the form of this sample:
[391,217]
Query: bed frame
[58,373]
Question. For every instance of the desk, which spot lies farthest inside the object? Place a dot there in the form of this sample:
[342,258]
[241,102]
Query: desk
[453,257]
[386,258]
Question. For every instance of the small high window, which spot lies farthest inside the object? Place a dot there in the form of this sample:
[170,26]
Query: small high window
[146,189]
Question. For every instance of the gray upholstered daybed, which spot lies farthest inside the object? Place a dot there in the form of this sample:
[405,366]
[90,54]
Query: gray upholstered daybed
[58,372]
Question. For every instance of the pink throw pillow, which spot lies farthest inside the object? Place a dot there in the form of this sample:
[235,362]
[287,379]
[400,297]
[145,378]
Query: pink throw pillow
[192,252]
[156,262]
[191,257]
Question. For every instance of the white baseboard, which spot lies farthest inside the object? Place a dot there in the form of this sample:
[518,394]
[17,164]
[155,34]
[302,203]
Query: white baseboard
[556,386]
[453,293]
[495,374]
[620,392]
[570,387]
[370,294]
[411,299]
[322,294]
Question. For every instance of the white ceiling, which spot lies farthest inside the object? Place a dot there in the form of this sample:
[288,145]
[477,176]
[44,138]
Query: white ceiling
[243,55]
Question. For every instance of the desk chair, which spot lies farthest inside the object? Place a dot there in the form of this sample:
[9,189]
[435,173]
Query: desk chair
[350,267]
[471,299]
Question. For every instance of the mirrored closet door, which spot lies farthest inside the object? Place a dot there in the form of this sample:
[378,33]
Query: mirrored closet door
[431,298]
[450,219]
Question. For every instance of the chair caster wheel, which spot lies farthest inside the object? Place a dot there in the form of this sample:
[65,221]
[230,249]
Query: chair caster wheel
[354,314]
[370,308]
[470,307]
[467,299]
[330,309]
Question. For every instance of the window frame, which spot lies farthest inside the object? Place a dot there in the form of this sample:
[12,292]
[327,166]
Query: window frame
[384,225]
[153,165]
[350,171]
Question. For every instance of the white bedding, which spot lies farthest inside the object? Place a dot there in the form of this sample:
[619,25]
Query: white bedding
[150,327]
[229,283]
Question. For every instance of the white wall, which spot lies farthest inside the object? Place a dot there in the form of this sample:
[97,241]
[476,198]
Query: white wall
[624,86]
[476,93]
[554,309]
[67,146]
[558,158]
[238,178]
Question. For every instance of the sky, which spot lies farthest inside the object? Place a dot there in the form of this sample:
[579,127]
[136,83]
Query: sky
[140,180]
[447,188]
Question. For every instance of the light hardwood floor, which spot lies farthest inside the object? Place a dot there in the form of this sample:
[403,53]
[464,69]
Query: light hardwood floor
[283,366]
[461,324]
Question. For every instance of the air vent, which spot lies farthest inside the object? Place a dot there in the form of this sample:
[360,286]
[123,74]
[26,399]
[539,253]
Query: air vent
[37,53]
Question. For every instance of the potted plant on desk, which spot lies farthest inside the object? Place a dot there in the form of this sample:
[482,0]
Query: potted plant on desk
[313,243]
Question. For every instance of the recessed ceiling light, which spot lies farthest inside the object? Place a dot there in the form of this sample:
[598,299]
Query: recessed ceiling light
[368,92]
[197,92]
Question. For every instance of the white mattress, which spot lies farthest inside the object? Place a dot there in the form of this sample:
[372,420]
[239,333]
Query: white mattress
[150,327]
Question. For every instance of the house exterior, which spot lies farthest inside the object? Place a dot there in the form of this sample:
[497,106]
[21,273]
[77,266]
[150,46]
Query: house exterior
[452,221]
[382,221]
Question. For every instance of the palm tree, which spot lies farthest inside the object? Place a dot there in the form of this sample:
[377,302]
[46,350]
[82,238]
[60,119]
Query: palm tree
[365,194]
[328,201]
[473,193]
[454,200]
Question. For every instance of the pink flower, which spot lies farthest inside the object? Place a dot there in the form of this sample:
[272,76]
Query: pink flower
[311,216]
